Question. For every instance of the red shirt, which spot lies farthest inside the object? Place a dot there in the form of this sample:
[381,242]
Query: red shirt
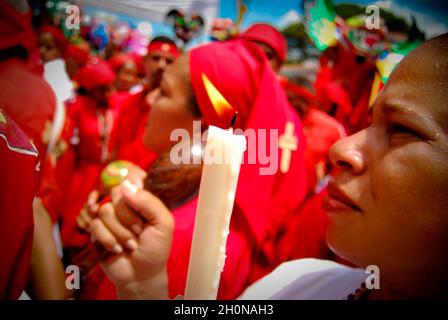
[18,163]
[32,109]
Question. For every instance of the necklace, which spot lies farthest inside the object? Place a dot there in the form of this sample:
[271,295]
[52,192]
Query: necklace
[105,122]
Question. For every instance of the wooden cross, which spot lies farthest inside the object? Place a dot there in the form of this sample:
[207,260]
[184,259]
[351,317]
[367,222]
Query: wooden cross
[287,142]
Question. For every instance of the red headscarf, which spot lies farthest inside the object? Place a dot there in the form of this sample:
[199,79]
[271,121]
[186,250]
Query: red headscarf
[242,74]
[164,47]
[119,60]
[96,73]
[15,27]
[79,52]
[270,36]
[58,36]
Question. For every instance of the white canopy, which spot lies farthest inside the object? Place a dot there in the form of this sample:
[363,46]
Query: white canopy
[156,10]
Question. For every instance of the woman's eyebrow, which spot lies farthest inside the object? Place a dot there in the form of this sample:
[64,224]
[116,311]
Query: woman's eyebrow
[389,108]
[426,120]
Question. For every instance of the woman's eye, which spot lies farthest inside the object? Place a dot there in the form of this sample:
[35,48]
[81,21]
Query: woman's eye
[399,130]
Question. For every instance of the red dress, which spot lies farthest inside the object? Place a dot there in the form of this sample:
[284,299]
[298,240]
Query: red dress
[18,175]
[94,145]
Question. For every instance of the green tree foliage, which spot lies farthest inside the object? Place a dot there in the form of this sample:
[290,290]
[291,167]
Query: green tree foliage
[298,39]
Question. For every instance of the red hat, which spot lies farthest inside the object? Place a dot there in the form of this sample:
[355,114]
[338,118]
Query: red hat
[15,26]
[270,36]
[96,73]
[163,46]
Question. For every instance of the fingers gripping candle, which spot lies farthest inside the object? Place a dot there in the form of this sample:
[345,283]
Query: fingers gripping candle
[222,161]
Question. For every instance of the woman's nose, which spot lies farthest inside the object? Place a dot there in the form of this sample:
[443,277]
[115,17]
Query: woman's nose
[347,153]
[162,63]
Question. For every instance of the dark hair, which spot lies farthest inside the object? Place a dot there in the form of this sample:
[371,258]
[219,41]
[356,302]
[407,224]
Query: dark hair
[13,52]
[163,39]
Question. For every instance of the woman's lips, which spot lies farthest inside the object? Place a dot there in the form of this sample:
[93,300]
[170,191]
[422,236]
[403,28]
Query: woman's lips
[338,201]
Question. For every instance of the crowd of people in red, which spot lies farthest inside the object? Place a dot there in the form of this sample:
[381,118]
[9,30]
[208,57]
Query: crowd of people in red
[123,106]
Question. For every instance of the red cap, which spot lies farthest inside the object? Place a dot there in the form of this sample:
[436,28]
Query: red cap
[270,36]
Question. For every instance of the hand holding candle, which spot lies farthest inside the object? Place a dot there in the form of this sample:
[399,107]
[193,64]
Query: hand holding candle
[135,259]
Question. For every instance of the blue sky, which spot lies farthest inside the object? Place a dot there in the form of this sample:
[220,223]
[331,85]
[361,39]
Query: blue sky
[430,14]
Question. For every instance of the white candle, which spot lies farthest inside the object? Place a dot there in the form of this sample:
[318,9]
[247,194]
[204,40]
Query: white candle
[215,205]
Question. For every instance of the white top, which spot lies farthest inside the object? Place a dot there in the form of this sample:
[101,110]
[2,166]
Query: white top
[307,279]
[56,76]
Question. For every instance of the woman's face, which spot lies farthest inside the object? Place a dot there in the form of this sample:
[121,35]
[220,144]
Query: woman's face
[127,77]
[388,202]
[48,47]
[170,106]
[156,63]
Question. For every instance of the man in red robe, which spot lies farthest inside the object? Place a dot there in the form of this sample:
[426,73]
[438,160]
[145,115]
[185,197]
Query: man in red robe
[134,107]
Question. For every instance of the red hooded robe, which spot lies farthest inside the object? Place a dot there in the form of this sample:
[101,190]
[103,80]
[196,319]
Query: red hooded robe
[264,203]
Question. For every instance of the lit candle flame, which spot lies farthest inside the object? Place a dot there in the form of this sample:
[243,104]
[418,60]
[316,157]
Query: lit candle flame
[219,103]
